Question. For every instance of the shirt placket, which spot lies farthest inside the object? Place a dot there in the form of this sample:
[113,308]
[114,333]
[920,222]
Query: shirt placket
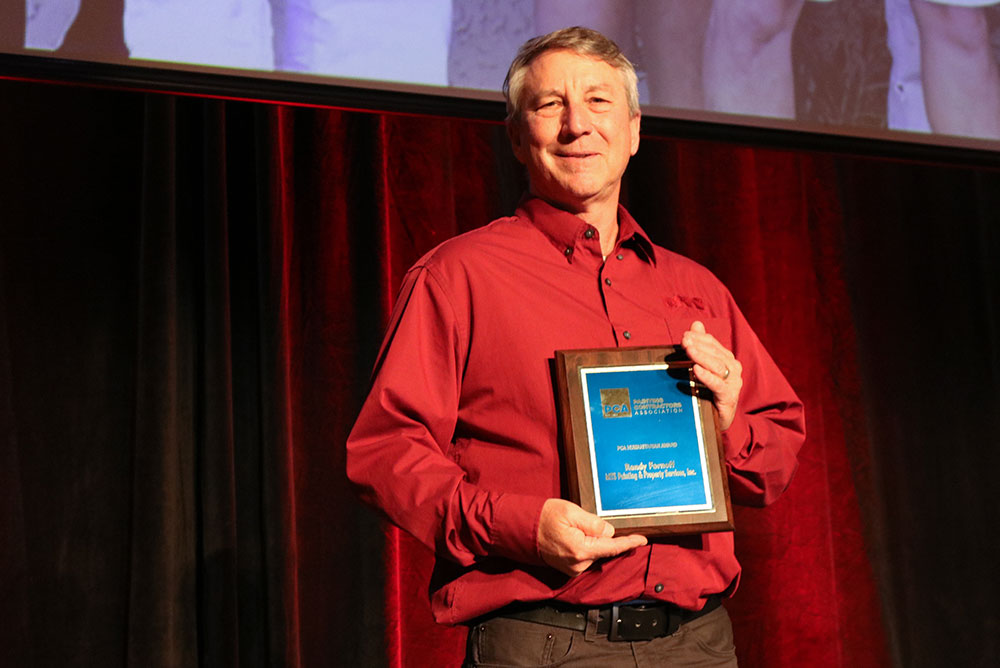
[612,277]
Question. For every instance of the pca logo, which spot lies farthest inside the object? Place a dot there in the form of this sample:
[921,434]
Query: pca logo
[615,402]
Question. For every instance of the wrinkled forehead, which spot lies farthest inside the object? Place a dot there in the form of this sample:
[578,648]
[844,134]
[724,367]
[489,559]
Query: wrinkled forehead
[557,69]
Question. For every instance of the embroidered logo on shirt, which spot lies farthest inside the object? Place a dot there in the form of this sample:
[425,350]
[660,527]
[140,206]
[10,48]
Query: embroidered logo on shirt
[615,402]
[690,302]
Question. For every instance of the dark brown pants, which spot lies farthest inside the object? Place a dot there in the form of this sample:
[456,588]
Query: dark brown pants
[501,642]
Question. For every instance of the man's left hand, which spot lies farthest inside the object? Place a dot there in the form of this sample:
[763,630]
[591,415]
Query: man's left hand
[717,368]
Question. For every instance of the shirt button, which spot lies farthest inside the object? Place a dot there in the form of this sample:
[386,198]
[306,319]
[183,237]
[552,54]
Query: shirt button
[589,233]
[658,588]
[568,252]
[620,256]
[607,281]
[627,334]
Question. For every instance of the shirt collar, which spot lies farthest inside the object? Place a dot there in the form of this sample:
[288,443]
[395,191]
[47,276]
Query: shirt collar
[564,230]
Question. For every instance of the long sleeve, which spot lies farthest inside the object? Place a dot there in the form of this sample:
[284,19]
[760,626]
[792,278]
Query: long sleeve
[401,455]
[763,442]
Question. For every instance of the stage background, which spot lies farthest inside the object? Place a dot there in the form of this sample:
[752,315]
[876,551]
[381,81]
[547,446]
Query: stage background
[191,296]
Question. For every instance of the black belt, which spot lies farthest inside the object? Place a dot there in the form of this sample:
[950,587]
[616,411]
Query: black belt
[633,621]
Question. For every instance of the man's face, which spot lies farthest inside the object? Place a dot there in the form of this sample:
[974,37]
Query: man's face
[574,133]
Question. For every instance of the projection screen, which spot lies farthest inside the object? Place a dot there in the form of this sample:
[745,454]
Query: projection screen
[923,71]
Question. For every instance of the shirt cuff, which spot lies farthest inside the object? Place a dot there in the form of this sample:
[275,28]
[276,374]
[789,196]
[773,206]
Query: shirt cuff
[736,439]
[514,534]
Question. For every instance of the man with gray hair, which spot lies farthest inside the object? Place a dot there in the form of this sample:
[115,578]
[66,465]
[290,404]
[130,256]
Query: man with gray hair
[457,442]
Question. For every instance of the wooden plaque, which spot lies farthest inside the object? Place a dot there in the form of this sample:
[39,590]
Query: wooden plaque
[641,441]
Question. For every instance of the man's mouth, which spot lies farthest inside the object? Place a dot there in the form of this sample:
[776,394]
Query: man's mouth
[579,155]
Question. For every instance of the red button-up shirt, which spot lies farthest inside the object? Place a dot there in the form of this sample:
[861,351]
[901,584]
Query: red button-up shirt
[457,442]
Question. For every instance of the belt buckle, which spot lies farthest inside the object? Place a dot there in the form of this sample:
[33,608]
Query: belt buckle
[641,622]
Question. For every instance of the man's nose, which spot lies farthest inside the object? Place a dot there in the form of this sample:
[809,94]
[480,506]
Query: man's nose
[576,120]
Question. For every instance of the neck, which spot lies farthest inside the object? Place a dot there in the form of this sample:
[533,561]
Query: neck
[606,223]
[603,215]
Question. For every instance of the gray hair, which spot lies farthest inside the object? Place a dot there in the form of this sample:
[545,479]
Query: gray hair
[583,41]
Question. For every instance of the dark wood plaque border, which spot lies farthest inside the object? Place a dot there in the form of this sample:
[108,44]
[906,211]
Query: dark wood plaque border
[576,450]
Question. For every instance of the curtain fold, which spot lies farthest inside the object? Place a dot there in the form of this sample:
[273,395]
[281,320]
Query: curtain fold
[163,531]
[280,286]
[14,635]
[192,294]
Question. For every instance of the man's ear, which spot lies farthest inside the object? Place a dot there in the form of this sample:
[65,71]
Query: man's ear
[514,134]
[634,124]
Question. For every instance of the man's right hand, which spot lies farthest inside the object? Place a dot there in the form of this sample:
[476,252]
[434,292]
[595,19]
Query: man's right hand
[570,539]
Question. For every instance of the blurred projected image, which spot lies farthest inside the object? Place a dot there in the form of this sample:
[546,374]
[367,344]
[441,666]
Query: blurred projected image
[391,40]
[916,65]
[737,56]
[945,76]
[913,65]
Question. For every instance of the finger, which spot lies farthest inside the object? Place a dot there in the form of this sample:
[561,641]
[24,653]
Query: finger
[704,346]
[695,334]
[705,342]
[705,350]
[593,548]
[601,548]
[718,365]
[710,379]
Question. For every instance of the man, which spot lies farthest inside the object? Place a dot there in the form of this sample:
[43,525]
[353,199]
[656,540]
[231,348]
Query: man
[457,441]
